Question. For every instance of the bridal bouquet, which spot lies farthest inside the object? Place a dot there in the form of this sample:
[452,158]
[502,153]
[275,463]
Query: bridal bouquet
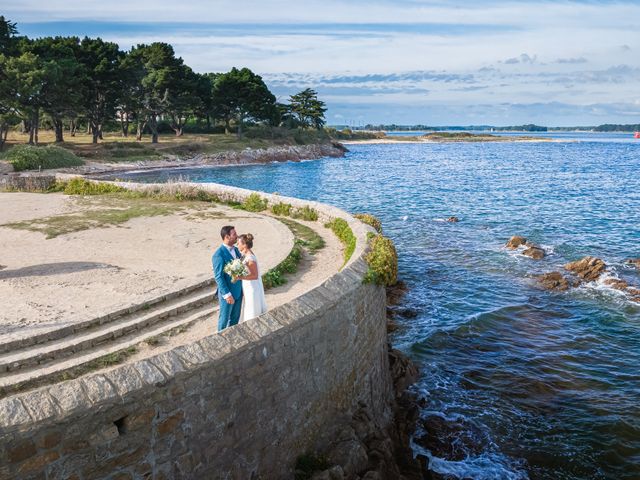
[236,269]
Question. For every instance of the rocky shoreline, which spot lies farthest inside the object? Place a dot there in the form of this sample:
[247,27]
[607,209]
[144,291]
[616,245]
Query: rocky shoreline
[285,153]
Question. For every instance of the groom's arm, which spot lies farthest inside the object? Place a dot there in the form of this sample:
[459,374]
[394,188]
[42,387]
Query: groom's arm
[218,274]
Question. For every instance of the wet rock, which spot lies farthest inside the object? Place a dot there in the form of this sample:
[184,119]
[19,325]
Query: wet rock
[515,241]
[334,473]
[452,440]
[452,220]
[588,268]
[634,261]
[403,371]
[2,267]
[553,281]
[634,291]
[534,252]
[406,312]
[616,283]
[396,292]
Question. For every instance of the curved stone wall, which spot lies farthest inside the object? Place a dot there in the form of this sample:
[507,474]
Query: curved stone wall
[241,404]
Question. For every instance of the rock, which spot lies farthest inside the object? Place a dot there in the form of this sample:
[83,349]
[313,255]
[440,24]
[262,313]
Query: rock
[372,475]
[515,241]
[406,312]
[616,283]
[634,291]
[452,220]
[403,371]
[453,440]
[2,267]
[351,455]
[588,268]
[634,261]
[534,252]
[333,473]
[396,292]
[553,281]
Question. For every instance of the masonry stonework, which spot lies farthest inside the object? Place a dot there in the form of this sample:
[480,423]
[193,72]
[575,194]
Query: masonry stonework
[241,404]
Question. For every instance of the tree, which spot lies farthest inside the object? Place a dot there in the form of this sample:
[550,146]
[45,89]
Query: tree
[100,62]
[62,92]
[8,32]
[306,107]
[241,95]
[167,86]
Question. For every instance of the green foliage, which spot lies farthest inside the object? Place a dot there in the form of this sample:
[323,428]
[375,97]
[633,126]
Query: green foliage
[383,262]
[305,213]
[275,276]
[370,220]
[29,157]
[308,464]
[80,186]
[255,203]
[282,209]
[305,235]
[307,109]
[241,95]
[343,231]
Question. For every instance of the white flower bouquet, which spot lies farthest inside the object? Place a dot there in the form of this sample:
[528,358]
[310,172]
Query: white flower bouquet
[236,269]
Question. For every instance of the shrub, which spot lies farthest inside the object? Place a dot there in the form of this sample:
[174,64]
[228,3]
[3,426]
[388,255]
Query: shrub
[305,213]
[80,186]
[255,203]
[275,276]
[282,209]
[344,233]
[383,262]
[29,157]
[370,220]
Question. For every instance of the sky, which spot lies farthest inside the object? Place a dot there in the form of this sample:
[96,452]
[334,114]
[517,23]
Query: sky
[555,63]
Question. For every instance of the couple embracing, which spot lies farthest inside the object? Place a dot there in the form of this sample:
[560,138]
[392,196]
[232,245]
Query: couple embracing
[240,289]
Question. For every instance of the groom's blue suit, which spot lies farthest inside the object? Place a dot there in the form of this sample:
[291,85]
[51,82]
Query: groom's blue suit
[229,314]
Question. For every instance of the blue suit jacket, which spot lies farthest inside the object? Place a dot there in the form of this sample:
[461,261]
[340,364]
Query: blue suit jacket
[220,258]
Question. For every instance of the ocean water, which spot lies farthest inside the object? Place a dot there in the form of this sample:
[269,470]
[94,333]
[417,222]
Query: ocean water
[520,383]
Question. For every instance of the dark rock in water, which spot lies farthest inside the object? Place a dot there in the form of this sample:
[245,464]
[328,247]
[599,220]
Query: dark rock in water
[452,440]
[2,267]
[396,292]
[534,252]
[553,281]
[634,291]
[588,268]
[634,261]
[406,312]
[452,220]
[616,283]
[515,241]
[403,371]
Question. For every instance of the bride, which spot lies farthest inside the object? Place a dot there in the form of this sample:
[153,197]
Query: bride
[252,289]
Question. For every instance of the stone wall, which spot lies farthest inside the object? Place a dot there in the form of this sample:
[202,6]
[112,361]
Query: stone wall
[241,404]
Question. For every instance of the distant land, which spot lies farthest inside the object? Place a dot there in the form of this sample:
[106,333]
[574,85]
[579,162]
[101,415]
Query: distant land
[514,128]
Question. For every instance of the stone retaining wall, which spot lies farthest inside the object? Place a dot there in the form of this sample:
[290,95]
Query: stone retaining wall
[241,404]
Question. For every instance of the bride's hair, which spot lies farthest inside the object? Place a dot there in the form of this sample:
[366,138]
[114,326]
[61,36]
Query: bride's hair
[247,239]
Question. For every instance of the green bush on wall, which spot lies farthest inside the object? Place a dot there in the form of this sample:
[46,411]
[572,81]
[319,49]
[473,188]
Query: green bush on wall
[305,213]
[344,233]
[30,157]
[370,220]
[80,186]
[383,262]
[282,209]
[255,203]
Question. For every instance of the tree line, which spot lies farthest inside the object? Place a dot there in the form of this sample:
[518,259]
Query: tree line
[68,81]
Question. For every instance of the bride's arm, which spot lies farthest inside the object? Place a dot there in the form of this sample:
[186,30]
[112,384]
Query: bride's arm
[253,271]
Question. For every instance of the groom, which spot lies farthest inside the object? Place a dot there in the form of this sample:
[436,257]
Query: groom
[229,293]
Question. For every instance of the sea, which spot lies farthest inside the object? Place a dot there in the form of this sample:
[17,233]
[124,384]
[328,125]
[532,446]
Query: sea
[518,382]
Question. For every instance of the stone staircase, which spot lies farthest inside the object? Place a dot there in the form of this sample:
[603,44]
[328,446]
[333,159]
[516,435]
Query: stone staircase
[48,356]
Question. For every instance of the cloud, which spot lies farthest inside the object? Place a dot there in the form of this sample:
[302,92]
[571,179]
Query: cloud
[572,61]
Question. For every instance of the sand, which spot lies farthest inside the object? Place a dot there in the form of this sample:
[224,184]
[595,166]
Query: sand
[48,283]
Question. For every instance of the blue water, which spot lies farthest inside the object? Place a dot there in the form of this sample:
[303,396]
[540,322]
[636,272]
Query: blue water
[547,383]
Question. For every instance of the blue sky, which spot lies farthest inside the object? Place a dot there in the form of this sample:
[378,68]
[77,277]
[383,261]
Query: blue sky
[406,61]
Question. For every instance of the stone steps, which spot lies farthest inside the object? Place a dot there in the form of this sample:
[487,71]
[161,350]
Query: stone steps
[13,345]
[53,367]
[100,334]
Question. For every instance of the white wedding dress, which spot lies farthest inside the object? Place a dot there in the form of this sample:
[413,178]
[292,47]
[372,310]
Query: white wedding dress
[253,293]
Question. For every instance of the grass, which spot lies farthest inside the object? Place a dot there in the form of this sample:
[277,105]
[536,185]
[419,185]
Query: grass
[29,157]
[344,233]
[307,236]
[124,209]
[370,220]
